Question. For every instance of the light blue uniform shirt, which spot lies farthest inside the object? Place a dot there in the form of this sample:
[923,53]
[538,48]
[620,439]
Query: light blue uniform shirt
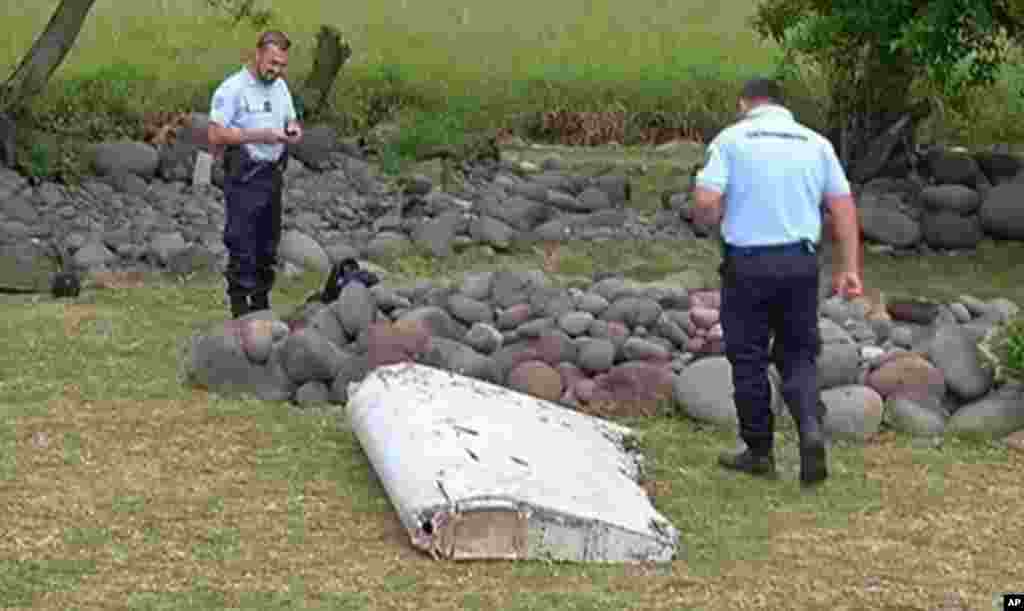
[245,102]
[773,173]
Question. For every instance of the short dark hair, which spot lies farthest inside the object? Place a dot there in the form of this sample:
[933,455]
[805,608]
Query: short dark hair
[274,37]
[762,88]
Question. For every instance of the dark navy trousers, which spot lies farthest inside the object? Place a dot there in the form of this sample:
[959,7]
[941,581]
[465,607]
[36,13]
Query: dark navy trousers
[770,315]
[252,230]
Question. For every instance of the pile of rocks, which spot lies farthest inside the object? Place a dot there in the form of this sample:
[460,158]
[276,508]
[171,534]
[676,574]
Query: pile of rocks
[618,347]
[141,210]
[953,201]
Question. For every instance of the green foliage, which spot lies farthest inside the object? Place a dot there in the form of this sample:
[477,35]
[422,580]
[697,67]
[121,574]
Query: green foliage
[1002,350]
[878,53]
[39,162]
[669,64]
[47,156]
[108,102]
[1014,349]
[244,11]
[424,131]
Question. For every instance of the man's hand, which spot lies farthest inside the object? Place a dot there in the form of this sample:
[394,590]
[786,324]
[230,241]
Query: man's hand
[846,227]
[847,284]
[293,132]
[276,136]
[220,136]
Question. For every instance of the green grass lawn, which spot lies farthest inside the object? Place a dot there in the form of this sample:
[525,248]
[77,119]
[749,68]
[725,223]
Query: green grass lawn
[122,488]
[443,39]
[677,63]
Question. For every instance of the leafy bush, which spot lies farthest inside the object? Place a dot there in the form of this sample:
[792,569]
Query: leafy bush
[881,59]
[1003,350]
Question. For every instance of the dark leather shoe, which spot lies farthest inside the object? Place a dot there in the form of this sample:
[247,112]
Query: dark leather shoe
[239,307]
[761,465]
[259,301]
[813,463]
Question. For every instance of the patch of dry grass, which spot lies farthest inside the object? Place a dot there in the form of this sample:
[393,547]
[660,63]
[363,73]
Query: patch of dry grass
[122,489]
[220,502]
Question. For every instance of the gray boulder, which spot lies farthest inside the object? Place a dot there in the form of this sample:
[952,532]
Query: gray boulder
[437,320]
[509,287]
[167,245]
[124,157]
[307,355]
[998,167]
[316,146]
[953,167]
[457,357]
[638,349]
[303,251]
[890,227]
[1002,213]
[633,311]
[595,355]
[995,416]
[353,369]
[325,323]
[355,308]
[955,353]
[218,362]
[958,199]
[852,412]
[911,417]
[93,254]
[484,338]
[616,186]
[313,393]
[949,230]
[704,391]
[575,323]
[492,231]
[838,365]
[550,302]
[438,235]
[388,244]
[593,199]
[469,310]
[477,285]
[593,303]
[518,212]
[19,209]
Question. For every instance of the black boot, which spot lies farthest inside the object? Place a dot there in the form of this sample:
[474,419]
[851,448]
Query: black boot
[756,460]
[259,301]
[239,306]
[813,460]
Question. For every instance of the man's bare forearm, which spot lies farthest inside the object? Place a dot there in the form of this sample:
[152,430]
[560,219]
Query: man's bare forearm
[234,136]
[707,207]
[847,231]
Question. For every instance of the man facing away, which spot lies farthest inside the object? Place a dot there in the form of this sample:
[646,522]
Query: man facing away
[251,121]
[765,181]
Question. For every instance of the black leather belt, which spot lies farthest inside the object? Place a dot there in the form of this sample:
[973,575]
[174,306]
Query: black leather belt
[803,247]
[242,168]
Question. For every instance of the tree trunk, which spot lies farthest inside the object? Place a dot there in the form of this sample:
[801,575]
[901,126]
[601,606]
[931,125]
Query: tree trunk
[46,54]
[331,55]
[875,114]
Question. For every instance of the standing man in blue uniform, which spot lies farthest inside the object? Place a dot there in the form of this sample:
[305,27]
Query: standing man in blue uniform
[765,181]
[252,120]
